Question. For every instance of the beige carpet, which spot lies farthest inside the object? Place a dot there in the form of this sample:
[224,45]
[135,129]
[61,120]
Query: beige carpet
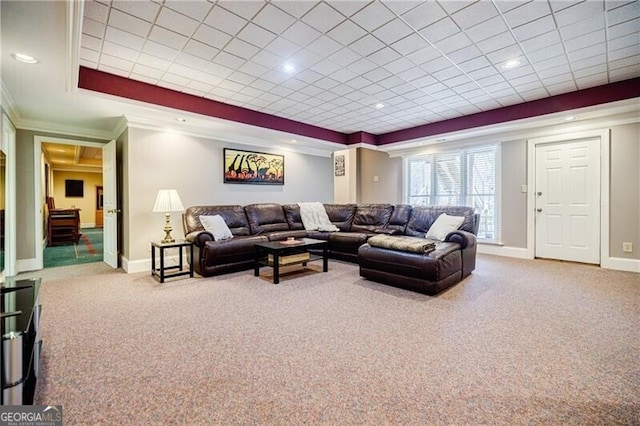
[518,342]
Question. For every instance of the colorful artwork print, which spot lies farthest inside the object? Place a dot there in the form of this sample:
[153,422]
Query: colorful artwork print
[253,167]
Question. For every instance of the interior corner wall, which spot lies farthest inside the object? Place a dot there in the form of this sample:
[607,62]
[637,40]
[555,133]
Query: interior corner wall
[194,167]
[380,177]
[345,187]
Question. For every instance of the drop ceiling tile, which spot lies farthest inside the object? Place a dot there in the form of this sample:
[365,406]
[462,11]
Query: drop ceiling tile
[267,59]
[596,49]
[626,52]
[298,96]
[96,11]
[197,86]
[558,89]
[490,80]
[344,57]
[343,75]
[465,54]
[160,51]
[93,28]
[294,85]
[600,69]
[129,23]
[623,13]
[275,77]
[551,63]
[309,76]
[144,10]
[551,72]
[281,91]
[403,89]
[490,28]
[193,9]
[91,42]
[478,12]
[399,65]
[201,50]
[625,41]
[245,9]
[326,83]
[323,17]
[532,95]
[230,85]
[483,72]
[411,74]
[393,31]
[324,46]
[541,41]
[122,65]
[447,73]
[123,38]
[357,83]
[274,19]
[293,8]
[119,51]
[578,12]
[436,65]
[263,85]
[326,67]
[457,81]
[625,73]
[625,28]
[455,42]
[282,47]
[629,61]
[253,69]
[207,79]
[527,86]
[184,71]
[366,45]
[526,13]
[88,55]
[377,74]
[176,22]
[560,78]
[474,64]
[241,49]
[505,54]
[211,36]
[153,61]
[440,30]
[167,38]
[535,28]
[256,35]
[509,99]
[305,59]
[583,27]
[592,80]
[423,15]
[228,60]
[217,70]
[424,55]
[557,5]
[242,78]
[550,52]
[373,16]
[244,100]
[496,42]
[301,34]
[384,56]
[225,21]
[346,33]
[141,78]
[177,81]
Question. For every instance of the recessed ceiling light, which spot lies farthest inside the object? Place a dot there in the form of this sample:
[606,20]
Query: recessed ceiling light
[21,57]
[511,64]
[569,118]
[379,105]
[288,68]
[181,119]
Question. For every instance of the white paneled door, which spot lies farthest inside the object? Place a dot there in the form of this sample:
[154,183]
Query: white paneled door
[110,205]
[568,201]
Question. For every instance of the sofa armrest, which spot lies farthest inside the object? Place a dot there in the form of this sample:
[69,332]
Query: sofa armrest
[199,238]
[464,238]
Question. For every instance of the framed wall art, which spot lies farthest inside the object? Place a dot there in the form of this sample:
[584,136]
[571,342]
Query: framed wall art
[338,165]
[252,167]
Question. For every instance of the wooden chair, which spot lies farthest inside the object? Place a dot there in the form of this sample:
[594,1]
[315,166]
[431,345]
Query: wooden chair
[63,225]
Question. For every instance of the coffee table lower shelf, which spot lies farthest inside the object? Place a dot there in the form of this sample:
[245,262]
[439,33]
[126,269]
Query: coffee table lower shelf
[271,253]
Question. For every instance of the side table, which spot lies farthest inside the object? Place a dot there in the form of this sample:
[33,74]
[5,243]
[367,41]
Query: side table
[176,270]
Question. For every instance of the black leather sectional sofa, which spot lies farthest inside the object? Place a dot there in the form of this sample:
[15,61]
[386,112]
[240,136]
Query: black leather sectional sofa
[452,260]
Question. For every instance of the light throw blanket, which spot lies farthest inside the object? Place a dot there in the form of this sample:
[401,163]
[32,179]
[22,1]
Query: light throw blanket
[314,217]
[402,243]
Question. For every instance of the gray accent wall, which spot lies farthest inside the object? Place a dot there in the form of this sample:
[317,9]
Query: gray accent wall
[194,167]
[624,225]
[513,214]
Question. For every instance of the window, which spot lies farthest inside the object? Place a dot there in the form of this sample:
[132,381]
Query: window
[464,177]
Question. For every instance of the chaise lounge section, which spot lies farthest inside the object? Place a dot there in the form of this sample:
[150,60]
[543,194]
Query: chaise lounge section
[451,260]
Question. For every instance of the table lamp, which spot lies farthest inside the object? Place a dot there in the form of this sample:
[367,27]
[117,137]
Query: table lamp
[168,201]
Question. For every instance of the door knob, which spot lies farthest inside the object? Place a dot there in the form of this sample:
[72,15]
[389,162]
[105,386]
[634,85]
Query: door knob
[112,211]
[539,193]
[538,209]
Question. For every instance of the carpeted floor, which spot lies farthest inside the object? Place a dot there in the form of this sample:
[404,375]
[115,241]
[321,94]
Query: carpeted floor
[88,249]
[519,342]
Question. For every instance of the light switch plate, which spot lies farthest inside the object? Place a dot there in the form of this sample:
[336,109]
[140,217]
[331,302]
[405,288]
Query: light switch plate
[523,188]
[627,247]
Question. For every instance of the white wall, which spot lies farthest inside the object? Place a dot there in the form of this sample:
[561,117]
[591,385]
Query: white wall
[194,167]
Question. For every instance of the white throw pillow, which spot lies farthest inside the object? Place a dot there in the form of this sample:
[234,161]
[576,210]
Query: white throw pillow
[443,225]
[217,226]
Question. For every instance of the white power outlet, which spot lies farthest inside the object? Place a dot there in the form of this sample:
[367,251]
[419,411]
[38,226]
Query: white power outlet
[627,247]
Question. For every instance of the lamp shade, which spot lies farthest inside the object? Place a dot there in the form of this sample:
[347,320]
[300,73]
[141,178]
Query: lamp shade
[168,200]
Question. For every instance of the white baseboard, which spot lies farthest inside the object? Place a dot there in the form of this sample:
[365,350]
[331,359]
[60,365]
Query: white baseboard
[622,264]
[520,253]
[144,265]
[26,265]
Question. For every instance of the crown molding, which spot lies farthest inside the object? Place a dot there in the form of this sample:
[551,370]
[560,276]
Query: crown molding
[8,104]
[47,127]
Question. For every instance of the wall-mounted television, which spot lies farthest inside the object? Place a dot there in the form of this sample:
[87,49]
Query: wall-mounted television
[73,188]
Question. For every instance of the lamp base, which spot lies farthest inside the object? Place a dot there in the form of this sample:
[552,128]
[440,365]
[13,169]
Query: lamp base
[167,229]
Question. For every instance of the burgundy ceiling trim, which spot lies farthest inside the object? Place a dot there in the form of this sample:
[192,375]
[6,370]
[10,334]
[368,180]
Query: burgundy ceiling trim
[612,92]
[362,137]
[99,81]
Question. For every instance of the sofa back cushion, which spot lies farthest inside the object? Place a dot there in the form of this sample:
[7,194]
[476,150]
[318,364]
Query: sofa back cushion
[400,217]
[266,217]
[368,217]
[422,217]
[341,215]
[234,216]
[292,214]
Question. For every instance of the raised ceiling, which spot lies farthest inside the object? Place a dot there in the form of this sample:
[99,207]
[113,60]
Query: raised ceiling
[333,64]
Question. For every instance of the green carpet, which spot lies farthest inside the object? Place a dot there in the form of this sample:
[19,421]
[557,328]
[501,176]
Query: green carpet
[88,249]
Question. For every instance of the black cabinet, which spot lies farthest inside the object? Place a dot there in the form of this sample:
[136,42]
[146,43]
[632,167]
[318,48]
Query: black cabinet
[21,345]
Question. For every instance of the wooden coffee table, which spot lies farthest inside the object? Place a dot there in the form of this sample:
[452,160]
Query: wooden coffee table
[285,253]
